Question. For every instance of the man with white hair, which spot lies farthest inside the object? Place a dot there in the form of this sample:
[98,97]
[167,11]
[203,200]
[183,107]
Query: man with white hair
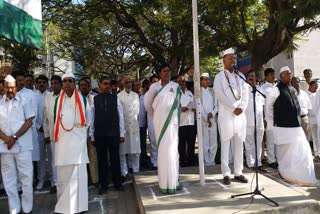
[232,96]
[131,145]
[71,119]
[16,117]
[293,151]
[209,110]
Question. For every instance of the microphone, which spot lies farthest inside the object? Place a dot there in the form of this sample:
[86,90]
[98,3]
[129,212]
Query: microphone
[235,68]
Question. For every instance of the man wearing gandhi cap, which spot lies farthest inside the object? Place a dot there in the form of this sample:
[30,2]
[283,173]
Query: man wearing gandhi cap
[232,95]
[71,120]
[293,151]
[16,147]
[209,112]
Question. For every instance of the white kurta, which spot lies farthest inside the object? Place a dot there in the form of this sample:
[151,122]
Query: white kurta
[71,158]
[210,145]
[249,143]
[187,100]
[31,99]
[45,150]
[293,150]
[131,145]
[232,128]
[313,125]
[271,150]
[16,163]
[130,105]
[165,103]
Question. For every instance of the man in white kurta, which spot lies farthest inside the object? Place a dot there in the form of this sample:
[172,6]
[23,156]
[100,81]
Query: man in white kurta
[209,111]
[304,103]
[164,98]
[186,125]
[31,98]
[250,141]
[312,116]
[71,158]
[44,148]
[85,89]
[269,75]
[293,150]
[48,126]
[131,145]
[232,95]
[16,117]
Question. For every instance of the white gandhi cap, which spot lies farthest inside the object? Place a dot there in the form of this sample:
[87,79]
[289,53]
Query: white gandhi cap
[9,78]
[285,68]
[205,75]
[228,51]
[68,75]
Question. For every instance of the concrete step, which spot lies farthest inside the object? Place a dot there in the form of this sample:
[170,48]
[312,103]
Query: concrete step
[215,197]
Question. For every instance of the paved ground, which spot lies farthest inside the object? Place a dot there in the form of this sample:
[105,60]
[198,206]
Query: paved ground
[114,202]
[215,197]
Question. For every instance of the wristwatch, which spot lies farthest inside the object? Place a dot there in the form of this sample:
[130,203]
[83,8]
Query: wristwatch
[15,137]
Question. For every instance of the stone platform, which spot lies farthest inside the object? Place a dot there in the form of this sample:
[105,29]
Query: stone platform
[215,197]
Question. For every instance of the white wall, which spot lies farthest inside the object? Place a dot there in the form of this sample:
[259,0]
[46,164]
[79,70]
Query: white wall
[307,56]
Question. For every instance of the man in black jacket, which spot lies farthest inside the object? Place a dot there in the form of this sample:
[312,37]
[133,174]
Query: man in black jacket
[107,132]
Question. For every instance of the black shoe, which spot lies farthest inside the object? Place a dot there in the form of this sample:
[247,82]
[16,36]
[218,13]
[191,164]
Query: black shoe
[119,188]
[20,192]
[226,180]
[130,171]
[53,190]
[263,169]
[241,178]
[154,168]
[274,165]
[2,192]
[102,191]
[96,185]
[123,179]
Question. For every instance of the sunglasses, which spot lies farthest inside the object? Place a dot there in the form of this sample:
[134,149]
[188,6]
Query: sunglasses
[68,80]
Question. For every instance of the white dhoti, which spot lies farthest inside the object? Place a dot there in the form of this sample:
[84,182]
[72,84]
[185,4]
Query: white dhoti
[271,149]
[72,189]
[18,165]
[294,156]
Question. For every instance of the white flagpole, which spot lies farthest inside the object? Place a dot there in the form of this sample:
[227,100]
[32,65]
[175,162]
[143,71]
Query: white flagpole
[197,91]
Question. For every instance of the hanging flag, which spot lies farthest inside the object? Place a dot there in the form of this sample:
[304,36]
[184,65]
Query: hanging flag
[21,21]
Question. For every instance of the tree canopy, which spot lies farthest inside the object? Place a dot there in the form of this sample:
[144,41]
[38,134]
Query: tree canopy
[136,36]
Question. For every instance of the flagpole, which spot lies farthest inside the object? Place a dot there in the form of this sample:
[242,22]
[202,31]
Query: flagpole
[197,91]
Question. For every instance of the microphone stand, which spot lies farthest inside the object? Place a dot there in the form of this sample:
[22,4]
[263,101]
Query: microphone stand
[257,191]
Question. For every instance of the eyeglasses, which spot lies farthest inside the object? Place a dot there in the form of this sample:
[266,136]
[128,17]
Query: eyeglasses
[10,87]
[68,80]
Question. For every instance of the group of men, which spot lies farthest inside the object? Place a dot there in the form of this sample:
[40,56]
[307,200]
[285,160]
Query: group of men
[82,130]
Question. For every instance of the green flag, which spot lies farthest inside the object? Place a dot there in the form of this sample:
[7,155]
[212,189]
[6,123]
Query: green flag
[21,21]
